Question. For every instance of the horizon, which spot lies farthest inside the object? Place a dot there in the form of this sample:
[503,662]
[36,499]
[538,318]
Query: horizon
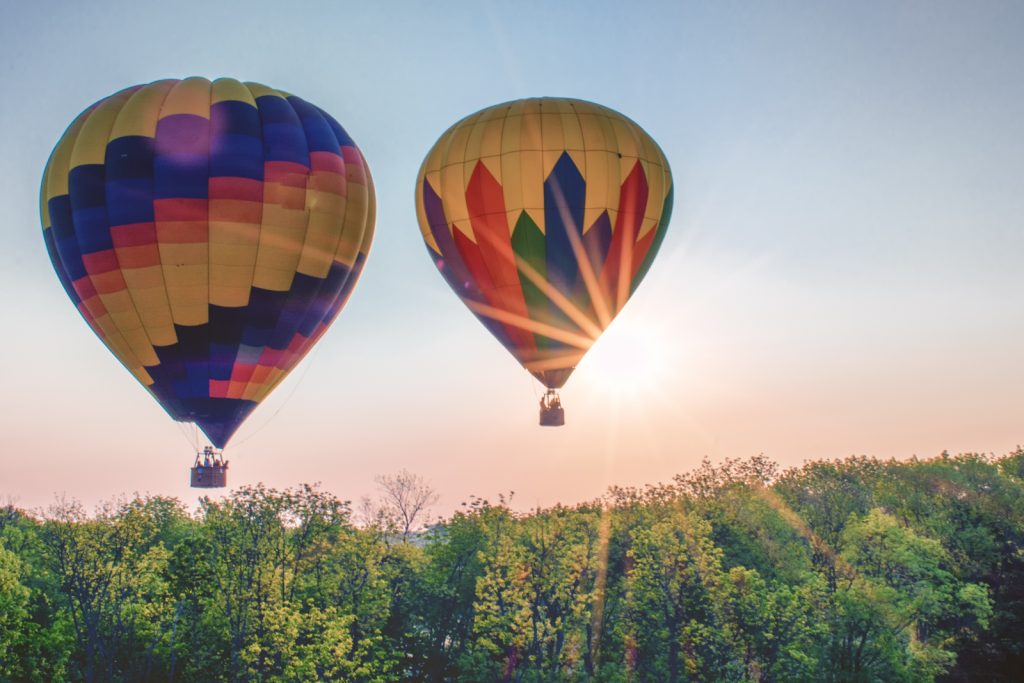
[502,499]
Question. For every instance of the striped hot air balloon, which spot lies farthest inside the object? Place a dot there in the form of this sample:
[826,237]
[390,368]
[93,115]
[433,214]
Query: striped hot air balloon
[544,215]
[209,233]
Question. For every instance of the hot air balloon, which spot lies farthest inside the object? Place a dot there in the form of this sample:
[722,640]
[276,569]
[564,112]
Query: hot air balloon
[209,233]
[544,215]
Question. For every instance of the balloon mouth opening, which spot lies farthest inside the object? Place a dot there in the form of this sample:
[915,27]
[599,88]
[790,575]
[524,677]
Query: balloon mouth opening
[217,418]
[219,434]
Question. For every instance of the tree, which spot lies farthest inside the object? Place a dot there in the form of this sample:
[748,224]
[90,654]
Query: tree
[456,555]
[893,594]
[772,627]
[295,588]
[406,497]
[14,614]
[110,570]
[673,585]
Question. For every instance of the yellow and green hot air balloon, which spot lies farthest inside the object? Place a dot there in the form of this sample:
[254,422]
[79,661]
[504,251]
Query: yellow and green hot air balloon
[544,215]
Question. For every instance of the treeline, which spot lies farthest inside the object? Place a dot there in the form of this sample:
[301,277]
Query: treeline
[856,570]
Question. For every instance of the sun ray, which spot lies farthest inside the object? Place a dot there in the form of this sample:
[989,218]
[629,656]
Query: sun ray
[521,322]
[590,281]
[604,532]
[566,360]
[560,300]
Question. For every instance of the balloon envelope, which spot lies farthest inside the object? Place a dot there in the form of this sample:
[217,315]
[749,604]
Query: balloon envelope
[208,233]
[544,215]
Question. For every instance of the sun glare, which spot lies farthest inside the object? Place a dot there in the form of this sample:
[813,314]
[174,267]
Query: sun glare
[627,361]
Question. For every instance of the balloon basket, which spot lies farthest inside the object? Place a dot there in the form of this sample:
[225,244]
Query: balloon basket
[214,477]
[552,417]
[551,412]
[210,470]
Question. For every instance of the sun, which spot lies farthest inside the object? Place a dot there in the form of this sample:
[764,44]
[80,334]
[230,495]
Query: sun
[628,361]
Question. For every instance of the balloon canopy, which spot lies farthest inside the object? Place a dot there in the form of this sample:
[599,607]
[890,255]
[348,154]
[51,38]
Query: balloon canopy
[209,233]
[544,215]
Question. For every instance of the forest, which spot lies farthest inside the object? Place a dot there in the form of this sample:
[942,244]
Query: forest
[851,570]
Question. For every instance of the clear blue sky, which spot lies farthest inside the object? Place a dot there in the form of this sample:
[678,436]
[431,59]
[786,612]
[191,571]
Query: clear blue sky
[841,275]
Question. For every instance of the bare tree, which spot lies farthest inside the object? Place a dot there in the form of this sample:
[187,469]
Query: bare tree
[407,497]
[374,513]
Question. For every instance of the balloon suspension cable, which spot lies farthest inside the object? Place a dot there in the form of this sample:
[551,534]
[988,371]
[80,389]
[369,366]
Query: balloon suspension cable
[551,412]
[210,457]
[188,432]
[532,381]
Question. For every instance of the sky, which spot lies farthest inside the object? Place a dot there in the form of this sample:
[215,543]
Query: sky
[841,274]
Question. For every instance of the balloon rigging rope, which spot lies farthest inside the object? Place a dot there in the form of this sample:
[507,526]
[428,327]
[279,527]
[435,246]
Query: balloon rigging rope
[187,433]
[533,386]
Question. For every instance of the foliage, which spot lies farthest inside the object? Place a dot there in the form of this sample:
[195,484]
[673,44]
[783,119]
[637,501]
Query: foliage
[856,570]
